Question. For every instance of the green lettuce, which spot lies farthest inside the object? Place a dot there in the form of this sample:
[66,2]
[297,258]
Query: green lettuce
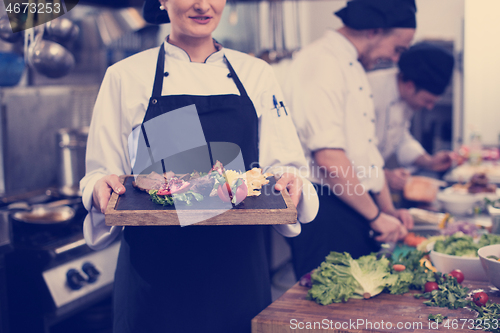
[167,200]
[413,277]
[462,245]
[340,277]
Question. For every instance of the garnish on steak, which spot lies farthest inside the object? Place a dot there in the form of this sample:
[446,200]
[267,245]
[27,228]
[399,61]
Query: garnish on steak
[202,185]
[169,187]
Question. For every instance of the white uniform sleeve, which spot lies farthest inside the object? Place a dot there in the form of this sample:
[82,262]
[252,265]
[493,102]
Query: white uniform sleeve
[106,154]
[280,149]
[409,149]
[313,90]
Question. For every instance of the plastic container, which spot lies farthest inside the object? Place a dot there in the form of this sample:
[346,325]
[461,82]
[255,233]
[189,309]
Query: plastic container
[72,143]
[475,149]
[11,68]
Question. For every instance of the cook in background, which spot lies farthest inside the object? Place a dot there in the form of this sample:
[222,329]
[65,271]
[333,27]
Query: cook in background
[422,75]
[194,278]
[332,107]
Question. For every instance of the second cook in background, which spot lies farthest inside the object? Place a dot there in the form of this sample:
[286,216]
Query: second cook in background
[194,278]
[423,73]
[332,107]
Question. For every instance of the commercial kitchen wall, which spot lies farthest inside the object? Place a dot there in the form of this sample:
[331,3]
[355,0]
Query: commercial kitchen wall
[482,70]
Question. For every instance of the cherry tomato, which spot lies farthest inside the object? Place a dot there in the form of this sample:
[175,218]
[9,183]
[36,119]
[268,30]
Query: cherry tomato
[399,267]
[163,192]
[430,286]
[223,193]
[241,193]
[458,275]
[480,298]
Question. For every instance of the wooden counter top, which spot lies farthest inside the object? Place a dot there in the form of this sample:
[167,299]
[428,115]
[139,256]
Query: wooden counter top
[292,312]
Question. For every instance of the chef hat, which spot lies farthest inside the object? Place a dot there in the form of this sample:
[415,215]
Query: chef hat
[153,14]
[428,66]
[373,14]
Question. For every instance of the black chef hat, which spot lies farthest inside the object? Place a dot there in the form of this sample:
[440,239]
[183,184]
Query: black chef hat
[429,66]
[153,14]
[374,14]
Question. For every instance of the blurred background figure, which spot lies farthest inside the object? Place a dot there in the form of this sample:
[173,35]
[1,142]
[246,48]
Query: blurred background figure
[422,75]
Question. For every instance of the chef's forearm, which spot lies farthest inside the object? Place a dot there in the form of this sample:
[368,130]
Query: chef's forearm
[384,201]
[424,161]
[337,166]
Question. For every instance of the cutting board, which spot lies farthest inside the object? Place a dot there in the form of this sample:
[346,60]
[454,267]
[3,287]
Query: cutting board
[292,311]
[135,207]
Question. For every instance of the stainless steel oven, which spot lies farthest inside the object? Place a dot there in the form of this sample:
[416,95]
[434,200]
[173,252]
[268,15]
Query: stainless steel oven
[53,277]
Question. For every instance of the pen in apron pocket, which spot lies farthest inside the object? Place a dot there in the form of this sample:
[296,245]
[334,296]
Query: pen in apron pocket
[283,106]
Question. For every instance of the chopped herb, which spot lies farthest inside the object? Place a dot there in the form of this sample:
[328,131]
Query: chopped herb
[438,318]
[451,294]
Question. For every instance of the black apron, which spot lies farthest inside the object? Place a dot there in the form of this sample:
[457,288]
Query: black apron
[336,227]
[195,278]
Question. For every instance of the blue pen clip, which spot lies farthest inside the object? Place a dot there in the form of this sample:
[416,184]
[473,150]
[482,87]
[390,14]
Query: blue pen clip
[275,102]
[283,106]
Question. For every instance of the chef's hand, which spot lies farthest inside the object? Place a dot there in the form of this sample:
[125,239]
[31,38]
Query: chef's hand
[442,160]
[404,216]
[397,178]
[102,191]
[390,228]
[293,184]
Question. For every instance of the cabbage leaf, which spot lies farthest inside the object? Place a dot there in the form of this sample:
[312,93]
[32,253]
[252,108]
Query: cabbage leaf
[340,277]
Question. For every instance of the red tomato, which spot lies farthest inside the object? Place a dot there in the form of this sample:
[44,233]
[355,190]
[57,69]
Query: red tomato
[480,298]
[430,286]
[458,275]
[223,193]
[163,192]
[241,193]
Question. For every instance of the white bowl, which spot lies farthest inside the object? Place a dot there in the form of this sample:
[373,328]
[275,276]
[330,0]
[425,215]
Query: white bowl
[445,263]
[457,203]
[491,267]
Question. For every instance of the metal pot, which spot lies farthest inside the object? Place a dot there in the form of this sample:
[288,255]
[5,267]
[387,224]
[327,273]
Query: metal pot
[6,33]
[56,212]
[62,30]
[72,143]
[48,58]
[45,215]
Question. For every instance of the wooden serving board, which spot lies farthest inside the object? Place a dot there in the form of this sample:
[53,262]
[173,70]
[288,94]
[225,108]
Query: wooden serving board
[135,208]
[292,312]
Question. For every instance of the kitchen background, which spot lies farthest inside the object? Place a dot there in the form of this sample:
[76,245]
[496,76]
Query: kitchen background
[43,120]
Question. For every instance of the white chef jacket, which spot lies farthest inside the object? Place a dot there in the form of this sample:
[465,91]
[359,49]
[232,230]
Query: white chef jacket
[331,104]
[122,102]
[393,118]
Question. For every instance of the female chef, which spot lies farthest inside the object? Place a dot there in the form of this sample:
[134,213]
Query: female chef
[194,278]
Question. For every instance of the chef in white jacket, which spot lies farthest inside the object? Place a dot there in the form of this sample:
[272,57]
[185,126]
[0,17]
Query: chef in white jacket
[331,104]
[422,75]
[167,275]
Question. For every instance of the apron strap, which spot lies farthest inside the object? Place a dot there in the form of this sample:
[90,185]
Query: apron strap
[235,78]
[160,68]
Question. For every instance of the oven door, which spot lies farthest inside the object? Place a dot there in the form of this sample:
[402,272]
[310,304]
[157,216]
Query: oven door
[83,280]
